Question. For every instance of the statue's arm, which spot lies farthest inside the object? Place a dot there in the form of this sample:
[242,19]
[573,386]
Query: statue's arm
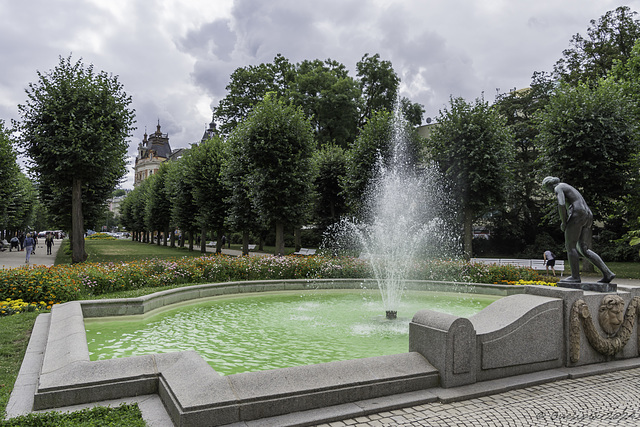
[562,208]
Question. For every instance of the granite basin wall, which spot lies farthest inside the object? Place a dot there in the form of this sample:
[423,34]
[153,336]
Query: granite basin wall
[193,393]
[516,335]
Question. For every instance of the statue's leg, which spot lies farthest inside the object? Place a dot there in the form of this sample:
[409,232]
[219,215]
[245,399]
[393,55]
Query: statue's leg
[571,236]
[594,258]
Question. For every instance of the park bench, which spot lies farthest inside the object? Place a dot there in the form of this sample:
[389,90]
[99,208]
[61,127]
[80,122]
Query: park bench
[535,264]
[251,247]
[212,244]
[305,252]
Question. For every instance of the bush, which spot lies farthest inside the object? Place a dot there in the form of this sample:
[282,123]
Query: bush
[123,415]
[51,285]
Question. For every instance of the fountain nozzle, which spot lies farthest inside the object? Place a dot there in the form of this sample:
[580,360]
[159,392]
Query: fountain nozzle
[392,314]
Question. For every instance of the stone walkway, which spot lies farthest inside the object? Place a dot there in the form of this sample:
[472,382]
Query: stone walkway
[600,400]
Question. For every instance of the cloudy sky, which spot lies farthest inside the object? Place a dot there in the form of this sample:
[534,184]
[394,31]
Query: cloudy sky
[174,57]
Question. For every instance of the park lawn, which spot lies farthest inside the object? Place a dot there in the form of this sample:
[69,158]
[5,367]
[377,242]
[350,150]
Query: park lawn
[119,250]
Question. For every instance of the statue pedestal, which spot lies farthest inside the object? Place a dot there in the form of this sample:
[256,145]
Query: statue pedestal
[590,286]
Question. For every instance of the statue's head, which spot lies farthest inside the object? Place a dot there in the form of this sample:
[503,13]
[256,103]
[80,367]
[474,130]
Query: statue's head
[611,313]
[550,182]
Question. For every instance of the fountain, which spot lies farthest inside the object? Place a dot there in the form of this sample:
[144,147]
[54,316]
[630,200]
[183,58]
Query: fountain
[404,219]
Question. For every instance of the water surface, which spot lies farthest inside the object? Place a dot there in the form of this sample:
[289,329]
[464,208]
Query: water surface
[268,330]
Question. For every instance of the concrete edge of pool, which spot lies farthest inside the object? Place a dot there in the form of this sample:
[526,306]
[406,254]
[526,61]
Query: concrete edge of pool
[194,394]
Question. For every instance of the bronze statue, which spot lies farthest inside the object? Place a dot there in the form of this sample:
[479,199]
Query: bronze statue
[576,220]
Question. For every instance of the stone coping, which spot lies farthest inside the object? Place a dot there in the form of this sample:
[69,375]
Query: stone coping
[193,393]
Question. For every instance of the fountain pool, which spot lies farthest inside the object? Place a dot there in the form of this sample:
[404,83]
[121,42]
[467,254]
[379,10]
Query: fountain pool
[269,330]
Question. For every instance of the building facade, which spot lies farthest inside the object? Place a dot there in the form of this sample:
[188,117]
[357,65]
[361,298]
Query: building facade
[152,152]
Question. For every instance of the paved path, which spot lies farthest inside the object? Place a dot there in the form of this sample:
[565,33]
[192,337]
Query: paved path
[15,258]
[611,399]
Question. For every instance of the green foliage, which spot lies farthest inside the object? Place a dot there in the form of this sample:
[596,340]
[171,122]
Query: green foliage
[248,86]
[379,84]
[329,97]
[471,146]
[123,415]
[74,128]
[276,141]
[14,337]
[587,138]
[158,203]
[204,164]
[609,40]
[330,204]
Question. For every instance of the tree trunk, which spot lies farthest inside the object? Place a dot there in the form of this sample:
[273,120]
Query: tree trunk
[191,241]
[165,236]
[77,223]
[203,240]
[279,238]
[298,238]
[245,243]
[468,233]
[173,238]
[219,241]
[158,241]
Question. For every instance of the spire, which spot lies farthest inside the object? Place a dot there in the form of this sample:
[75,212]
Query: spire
[158,129]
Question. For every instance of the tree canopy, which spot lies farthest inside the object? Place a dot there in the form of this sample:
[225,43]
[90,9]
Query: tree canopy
[608,40]
[74,128]
[277,142]
[471,147]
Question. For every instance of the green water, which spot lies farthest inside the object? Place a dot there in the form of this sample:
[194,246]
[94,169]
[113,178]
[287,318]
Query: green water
[253,332]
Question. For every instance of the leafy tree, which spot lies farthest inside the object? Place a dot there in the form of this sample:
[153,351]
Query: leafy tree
[74,128]
[329,98]
[21,203]
[133,210]
[379,84]
[240,215]
[330,204]
[471,145]
[276,143]
[374,144]
[9,171]
[204,164]
[248,86]
[588,140]
[413,112]
[520,224]
[183,206]
[608,40]
[158,205]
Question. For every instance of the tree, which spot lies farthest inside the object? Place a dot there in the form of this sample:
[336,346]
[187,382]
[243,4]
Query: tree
[330,203]
[373,143]
[608,40]
[9,171]
[379,84]
[158,204]
[277,143]
[471,145]
[588,140]
[183,206]
[204,164]
[520,223]
[74,128]
[329,98]
[248,86]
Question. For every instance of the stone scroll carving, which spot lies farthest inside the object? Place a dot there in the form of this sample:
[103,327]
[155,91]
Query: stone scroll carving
[617,324]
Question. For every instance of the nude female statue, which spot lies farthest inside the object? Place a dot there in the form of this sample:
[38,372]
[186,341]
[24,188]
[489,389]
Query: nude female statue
[576,220]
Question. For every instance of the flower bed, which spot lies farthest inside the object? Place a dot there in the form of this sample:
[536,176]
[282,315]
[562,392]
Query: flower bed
[57,284]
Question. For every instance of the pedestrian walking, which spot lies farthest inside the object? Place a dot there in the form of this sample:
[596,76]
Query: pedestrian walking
[29,243]
[49,242]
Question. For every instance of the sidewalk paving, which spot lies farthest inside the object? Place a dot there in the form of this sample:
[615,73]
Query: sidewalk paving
[16,259]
